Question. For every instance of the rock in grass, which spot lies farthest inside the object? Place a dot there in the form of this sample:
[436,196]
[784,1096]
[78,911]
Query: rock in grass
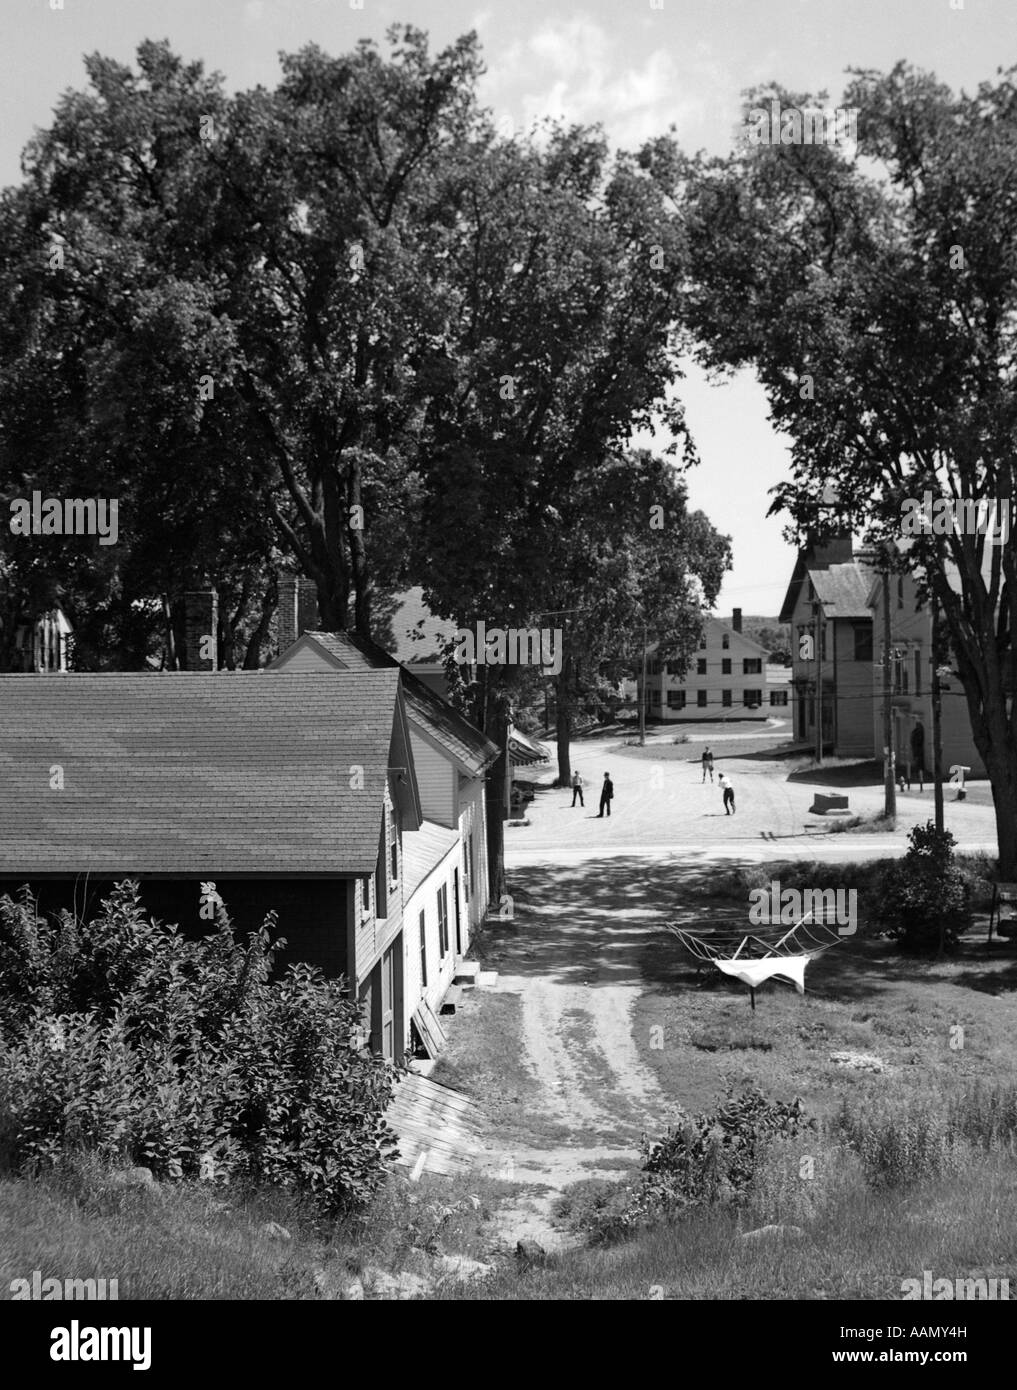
[858,1061]
[461,1268]
[133,1177]
[528,1252]
[274,1231]
[774,1233]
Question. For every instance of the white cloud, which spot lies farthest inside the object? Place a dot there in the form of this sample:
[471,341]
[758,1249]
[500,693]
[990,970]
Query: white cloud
[572,70]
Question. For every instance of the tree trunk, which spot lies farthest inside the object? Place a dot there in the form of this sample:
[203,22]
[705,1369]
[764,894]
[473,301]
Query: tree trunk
[358,557]
[563,729]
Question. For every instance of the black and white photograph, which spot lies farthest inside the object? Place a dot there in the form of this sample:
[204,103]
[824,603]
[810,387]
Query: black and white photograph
[428,428]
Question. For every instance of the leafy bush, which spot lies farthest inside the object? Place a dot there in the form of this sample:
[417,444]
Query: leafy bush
[125,1040]
[925,897]
[705,1160]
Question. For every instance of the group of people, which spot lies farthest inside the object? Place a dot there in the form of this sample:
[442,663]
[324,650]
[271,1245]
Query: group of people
[607,788]
[606,793]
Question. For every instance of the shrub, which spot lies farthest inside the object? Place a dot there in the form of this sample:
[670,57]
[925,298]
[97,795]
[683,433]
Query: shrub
[127,1041]
[704,1160]
[924,897]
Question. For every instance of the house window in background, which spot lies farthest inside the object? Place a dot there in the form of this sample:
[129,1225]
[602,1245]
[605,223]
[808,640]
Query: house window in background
[423,949]
[701,699]
[725,699]
[863,641]
[443,920]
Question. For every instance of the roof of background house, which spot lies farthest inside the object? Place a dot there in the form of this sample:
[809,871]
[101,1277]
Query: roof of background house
[843,590]
[445,724]
[418,635]
[423,851]
[196,774]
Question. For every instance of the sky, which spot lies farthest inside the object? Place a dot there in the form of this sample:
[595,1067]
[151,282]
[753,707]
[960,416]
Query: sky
[632,67]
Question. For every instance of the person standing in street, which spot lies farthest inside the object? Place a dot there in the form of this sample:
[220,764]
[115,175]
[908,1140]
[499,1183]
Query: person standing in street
[577,789]
[707,762]
[728,790]
[606,795]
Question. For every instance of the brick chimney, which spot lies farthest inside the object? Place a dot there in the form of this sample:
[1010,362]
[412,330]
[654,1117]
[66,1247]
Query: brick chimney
[201,627]
[298,608]
[736,619]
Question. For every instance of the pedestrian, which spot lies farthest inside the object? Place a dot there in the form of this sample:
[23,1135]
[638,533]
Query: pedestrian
[918,753]
[606,795]
[707,762]
[728,790]
[577,789]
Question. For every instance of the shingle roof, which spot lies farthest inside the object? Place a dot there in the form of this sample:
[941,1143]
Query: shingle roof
[425,708]
[423,851]
[235,773]
[843,590]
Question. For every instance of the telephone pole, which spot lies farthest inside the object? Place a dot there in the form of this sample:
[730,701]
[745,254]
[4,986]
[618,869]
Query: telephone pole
[643,696]
[889,781]
[817,614]
[937,727]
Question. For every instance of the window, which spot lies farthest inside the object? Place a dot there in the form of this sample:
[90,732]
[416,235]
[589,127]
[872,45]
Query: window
[701,666]
[367,896]
[676,699]
[423,949]
[701,699]
[653,668]
[654,697]
[393,851]
[918,670]
[726,641]
[725,699]
[467,859]
[863,641]
[752,666]
[778,697]
[674,668]
[443,920]
[725,666]
[752,698]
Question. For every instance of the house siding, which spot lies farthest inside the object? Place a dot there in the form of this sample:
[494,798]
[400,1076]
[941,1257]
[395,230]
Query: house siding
[435,781]
[440,970]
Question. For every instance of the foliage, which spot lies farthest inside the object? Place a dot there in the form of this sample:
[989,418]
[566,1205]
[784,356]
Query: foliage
[904,1144]
[925,896]
[871,288]
[704,1160]
[123,1038]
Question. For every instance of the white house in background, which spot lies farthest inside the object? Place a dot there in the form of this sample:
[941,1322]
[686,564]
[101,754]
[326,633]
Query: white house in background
[727,678]
[911,676]
[45,645]
[445,884]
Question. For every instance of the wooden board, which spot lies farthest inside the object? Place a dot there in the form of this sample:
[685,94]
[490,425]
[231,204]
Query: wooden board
[436,1121]
[432,1034]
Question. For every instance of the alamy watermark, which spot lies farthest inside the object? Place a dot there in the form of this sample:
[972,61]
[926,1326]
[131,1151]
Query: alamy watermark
[65,516]
[976,1289]
[39,1288]
[820,906]
[512,646]
[801,125]
[960,516]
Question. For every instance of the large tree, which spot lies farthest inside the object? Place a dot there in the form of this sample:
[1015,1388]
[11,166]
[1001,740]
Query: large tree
[874,290]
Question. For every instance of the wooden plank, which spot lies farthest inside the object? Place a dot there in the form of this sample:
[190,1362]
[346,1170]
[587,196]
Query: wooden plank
[432,1035]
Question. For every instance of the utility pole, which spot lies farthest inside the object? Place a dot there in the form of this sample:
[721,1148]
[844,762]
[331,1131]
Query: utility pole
[889,781]
[817,614]
[937,727]
[643,695]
